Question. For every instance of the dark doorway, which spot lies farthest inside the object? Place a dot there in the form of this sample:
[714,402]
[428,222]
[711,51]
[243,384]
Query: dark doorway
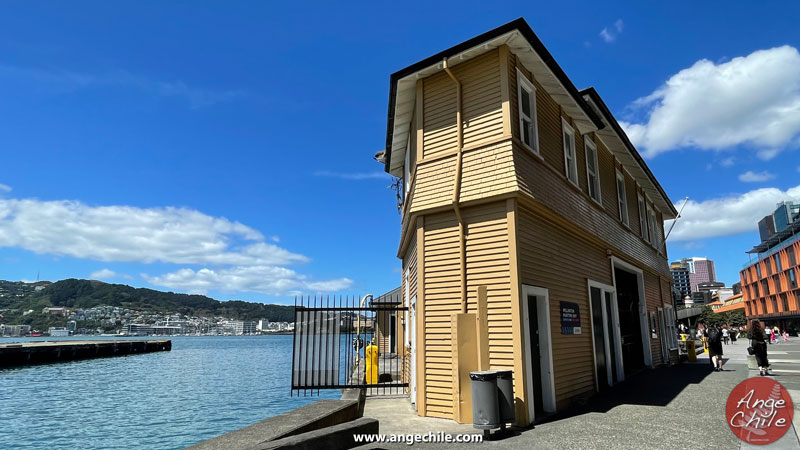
[536,356]
[627,285]
[392,333]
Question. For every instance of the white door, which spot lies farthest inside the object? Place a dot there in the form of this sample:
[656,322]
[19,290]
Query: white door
[538,356]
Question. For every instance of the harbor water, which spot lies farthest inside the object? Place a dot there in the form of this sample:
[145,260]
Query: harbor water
[204,387]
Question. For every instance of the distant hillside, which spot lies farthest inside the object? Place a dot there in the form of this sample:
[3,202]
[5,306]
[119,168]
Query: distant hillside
[74,293]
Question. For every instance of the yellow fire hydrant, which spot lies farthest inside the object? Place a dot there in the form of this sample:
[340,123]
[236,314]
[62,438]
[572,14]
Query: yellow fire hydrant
[371,359]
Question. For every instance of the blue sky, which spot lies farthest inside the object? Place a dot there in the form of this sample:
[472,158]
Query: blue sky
[226,148]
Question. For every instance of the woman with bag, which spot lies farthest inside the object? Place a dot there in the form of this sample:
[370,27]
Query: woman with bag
[758,344]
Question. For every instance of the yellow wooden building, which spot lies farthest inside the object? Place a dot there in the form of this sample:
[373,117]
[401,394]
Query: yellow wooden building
[516,181]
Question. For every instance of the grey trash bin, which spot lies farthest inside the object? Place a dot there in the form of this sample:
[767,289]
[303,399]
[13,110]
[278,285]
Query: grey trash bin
[485,407]
[505,396]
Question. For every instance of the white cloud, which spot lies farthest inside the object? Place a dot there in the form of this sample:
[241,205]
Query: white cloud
[609,35]
[107,274]
[353,176]
[269,280]
[234,256]
[275,238]
[729,215]
[728,162]
[5,188]
[131,234]
[756,177]
[752,100]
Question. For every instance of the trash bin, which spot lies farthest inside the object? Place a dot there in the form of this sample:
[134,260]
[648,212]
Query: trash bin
[485,405]
[691,351]
[505,396]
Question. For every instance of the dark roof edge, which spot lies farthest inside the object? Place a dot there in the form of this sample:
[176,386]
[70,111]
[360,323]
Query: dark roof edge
[591,92]
[519,24]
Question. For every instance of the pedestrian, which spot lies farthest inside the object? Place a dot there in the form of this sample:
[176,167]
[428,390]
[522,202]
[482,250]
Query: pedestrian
[776,334]
[734,335]
[758,344]
[715,347]
[725,335]
[768,334]
[785,336]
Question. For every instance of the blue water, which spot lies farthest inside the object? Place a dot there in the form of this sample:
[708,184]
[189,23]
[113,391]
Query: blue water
[204,387]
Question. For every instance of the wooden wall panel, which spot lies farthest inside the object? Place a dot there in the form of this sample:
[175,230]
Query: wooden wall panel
[545,250]
[633,205]
[481,105]
[652,293]
[441,291]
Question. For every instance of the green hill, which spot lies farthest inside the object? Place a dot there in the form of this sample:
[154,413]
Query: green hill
[73,293]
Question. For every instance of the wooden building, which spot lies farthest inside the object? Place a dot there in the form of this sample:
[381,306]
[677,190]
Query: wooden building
[516,181]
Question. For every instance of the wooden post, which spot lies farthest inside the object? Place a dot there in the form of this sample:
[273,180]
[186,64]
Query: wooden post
[465,360]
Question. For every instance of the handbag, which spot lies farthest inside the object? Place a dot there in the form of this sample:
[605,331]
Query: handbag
[751,351]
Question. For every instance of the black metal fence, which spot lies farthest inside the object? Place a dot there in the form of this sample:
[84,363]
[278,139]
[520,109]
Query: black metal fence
[349,342]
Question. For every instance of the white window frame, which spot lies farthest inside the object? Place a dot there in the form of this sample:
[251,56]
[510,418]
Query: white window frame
[622,200]
[566,129]
[643,218]
[589,145]
[651,225]
[524,83]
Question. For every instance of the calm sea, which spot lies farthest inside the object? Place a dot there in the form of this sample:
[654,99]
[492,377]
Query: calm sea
[204,387]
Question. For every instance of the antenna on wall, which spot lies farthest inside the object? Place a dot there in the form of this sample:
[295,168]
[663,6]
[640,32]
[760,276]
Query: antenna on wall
[676,219]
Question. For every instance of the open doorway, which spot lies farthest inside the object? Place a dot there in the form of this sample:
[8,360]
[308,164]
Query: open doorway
[632,312]
[538,354]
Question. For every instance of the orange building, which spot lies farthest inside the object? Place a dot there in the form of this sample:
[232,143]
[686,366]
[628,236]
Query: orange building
[769,284]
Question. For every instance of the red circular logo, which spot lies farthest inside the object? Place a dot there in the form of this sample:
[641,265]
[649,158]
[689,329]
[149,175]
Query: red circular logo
[759,410]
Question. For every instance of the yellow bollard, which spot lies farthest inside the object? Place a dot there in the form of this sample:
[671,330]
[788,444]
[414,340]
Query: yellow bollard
[371,355]
[691,354]
[683,337]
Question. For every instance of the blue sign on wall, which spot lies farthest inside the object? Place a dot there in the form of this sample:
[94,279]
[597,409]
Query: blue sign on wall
[570,318]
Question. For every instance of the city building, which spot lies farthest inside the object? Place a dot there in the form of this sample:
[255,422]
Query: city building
[732,303]
[138,329]
[263,325]
[15,330]
[72,326]
[58,332]
[239,327]
[515,180]
[55,311]
[770,280]
[680,281]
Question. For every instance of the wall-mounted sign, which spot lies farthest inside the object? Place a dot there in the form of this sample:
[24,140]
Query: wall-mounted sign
[570,318]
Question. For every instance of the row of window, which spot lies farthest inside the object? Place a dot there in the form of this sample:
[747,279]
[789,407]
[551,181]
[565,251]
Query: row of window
[770,262]
[529,135]
[760,307]
[764,289]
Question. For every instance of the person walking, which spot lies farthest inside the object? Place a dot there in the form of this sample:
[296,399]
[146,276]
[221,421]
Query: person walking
[785,337]
[776,334]
[758,343]
[715,347]
[768,334]
[734,335]
[725,335]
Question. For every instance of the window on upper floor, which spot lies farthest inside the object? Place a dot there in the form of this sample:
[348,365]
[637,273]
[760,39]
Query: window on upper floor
[592,172]
[526,99]
[776,282]
[745,276]
[790,256]
[407,173]
[643,218]
[792,279]
[757,292]
[763,306]
[778,262]
[570,162]
[774,304]
[768,263]
[785,302]
[758,271]
[652,227]
[765,286]
[622,201]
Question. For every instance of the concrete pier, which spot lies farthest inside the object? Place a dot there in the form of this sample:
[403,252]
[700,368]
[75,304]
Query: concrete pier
[24,353]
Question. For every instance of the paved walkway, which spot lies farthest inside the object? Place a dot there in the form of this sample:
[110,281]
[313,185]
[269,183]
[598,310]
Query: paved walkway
[680,407]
